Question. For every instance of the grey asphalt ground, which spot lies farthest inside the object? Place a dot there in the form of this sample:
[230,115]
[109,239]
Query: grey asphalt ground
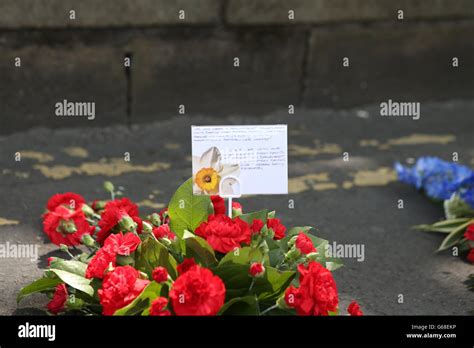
[349,202]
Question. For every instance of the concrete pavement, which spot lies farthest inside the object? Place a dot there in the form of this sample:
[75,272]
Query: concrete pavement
[352,201]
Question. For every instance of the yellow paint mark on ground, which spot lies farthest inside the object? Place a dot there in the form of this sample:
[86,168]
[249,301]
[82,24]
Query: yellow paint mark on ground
[413,139]
[420,139]
[378,177]
[347,185]
[150,204]
[325,186]
[306,182]
[111,167]
[368,142]
[75,151]
[37,156]
[4,222]
[172,146]
[299,150]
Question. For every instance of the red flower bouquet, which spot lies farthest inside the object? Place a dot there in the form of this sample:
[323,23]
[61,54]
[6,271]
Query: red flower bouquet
[188,259]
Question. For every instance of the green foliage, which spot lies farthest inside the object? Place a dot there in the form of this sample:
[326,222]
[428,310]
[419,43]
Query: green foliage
[71,266]
[187,211]
[141,304]
[39,285]
[247,305]
[76,281]
[331,263]
[258,215]
[445,226]
[455,236]
[233,270]
[150,254]
[199,249]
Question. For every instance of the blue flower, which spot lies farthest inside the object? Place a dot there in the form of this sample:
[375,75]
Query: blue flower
[465,188]
[439,179]
[407,175]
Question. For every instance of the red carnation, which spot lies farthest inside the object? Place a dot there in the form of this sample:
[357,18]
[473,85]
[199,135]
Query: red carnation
[114,212]
[100,263]
[158,307]
[163,231]
[354,309]
[114,244]
[219,205]
[197,292]
[304,244]
[160,274]
[51,259]
[185,265]
[277,228]
[122,244]
[64,225]
[164,216]
[139,223]
[470,256]
[70,200]
[237,206]
[256,226]
[292,296]
[469,234]
[317,293]
[120,287]
[256,270]
[56,305]
[223,233]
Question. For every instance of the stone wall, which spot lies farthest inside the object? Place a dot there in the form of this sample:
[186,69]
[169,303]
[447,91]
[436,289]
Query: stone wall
[288,52]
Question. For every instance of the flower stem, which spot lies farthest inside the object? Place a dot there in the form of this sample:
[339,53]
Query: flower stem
[269,309]
[252,284]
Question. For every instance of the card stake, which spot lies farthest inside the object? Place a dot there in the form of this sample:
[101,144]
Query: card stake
[240,160]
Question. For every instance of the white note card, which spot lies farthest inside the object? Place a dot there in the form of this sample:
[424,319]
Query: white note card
[238,160]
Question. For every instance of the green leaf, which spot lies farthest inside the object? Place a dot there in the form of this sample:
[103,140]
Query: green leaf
[445,226]
[243,256]
[142,302]
[187,211]
[42,284]
[150,254]
[75,281]
[259,215]
[331,263]
[454,237]
[71,266]
[273,283]
[456,207]
[125,260]
[247,305]
[233,270]
[199,249]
